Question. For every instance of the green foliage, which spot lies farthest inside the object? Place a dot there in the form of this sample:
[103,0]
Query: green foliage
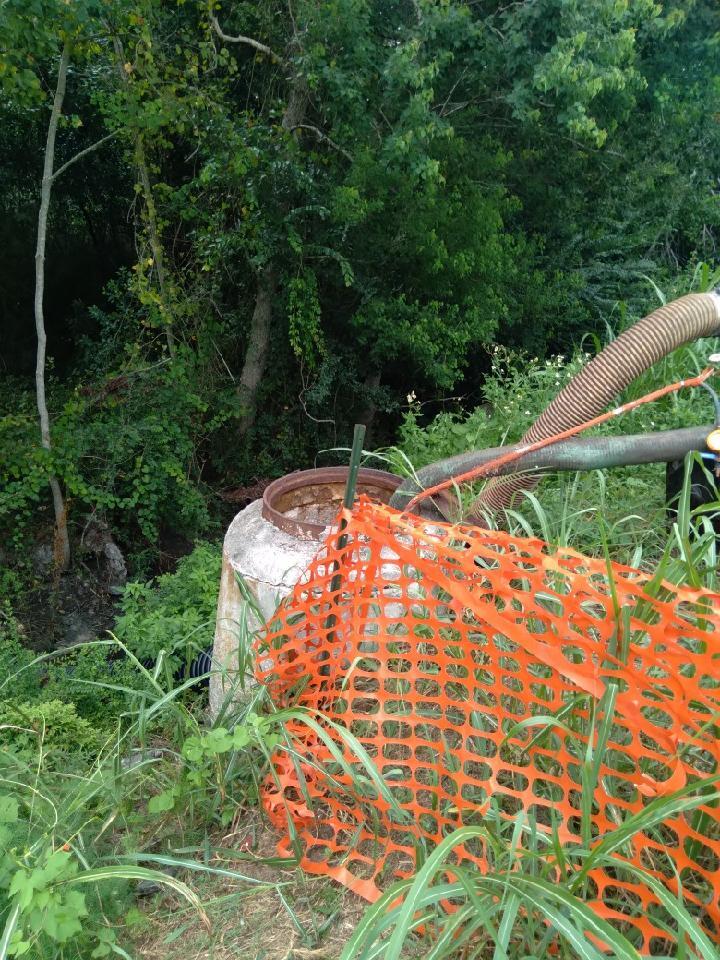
[49,724]
[125,447]
[176,614]
[588,68]
[71,701]
[515,393]
[499,173]
[66,880]
[15,659]
[42,903]
[421,180]
[304,318]
[214,759]
[75,679]
[59,861]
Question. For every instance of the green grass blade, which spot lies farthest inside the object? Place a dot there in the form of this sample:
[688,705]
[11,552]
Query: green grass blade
[657,811]
[196,866]
[10,925]
[100,874]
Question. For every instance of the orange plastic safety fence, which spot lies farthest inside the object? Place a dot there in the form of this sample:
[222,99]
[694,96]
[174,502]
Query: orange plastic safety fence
[440,641]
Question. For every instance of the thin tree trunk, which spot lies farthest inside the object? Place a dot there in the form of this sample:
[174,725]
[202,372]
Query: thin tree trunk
[259,342]
[256,356]
[62,541]
[367,416]
[154,234]
[296,106]
[150,208]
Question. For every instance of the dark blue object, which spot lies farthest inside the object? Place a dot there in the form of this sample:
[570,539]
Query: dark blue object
[199,668]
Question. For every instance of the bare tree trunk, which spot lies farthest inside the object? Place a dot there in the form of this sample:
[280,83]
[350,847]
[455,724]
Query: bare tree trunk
[62,541]
[256,356]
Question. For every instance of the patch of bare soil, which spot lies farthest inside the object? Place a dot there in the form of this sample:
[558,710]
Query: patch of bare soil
[276,913]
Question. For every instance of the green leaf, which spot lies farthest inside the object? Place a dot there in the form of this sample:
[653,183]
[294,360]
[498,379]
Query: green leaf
[9,809]
[162,802]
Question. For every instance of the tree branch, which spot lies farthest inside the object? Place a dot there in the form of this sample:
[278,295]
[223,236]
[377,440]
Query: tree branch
[248,41]
[82,153]
[323,136]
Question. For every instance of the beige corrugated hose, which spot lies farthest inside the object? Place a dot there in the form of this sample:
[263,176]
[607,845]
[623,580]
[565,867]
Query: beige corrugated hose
[598,384]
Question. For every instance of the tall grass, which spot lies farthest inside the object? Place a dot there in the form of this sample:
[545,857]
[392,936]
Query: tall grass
[95,826]
[79,831]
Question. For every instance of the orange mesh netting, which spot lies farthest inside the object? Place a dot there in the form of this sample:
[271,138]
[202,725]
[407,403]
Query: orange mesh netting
[440,640]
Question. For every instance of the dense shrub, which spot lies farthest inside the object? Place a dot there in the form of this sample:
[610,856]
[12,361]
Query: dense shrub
[176,613]
[125,450]
[16,661]
[48,724]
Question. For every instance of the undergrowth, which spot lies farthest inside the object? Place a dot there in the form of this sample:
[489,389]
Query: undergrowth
[112,776]
[149,800]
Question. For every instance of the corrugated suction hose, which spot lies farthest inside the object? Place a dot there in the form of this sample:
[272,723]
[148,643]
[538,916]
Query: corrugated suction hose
[595,387]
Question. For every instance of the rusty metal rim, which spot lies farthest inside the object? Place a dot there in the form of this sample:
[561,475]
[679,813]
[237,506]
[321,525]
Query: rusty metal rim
[303,529]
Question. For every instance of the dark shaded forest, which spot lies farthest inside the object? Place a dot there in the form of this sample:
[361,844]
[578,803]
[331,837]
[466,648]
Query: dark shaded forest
[230,232]
[266,222]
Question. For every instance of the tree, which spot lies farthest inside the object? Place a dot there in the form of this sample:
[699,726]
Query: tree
[398,245]
[340,202]
[51,26]
[293,115]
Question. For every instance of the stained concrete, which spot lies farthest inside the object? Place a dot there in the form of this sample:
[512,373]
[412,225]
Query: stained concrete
[270,562]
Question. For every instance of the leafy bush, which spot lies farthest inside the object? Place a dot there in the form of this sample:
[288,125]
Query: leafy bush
[86,680]
[15,659]
[125,447]
[92,678]
[176,613]
[51,724]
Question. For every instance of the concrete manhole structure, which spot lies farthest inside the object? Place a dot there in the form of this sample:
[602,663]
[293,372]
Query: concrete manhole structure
[269,544]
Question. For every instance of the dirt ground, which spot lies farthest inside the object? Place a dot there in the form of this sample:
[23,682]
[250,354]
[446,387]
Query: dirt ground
[287,915]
